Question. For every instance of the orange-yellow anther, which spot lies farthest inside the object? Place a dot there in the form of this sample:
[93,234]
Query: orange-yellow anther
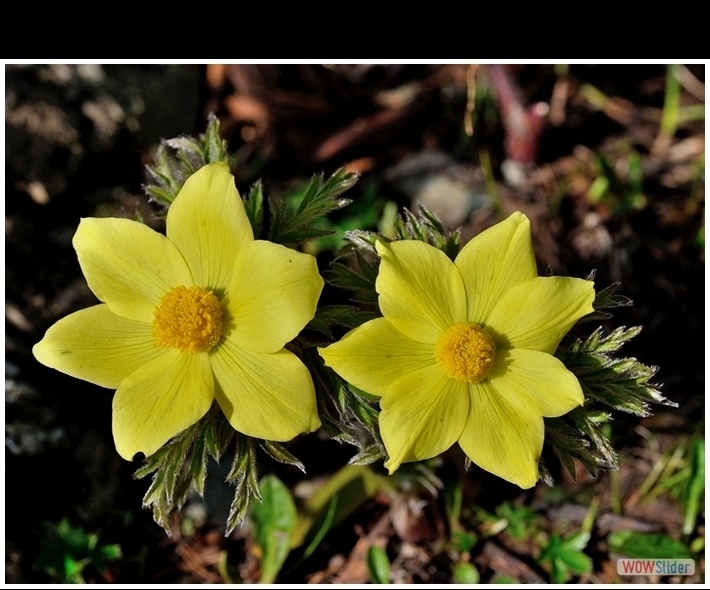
[189,319]
[465,352]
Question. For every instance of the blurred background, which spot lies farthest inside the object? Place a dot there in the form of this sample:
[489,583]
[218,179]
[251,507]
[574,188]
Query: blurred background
[606,160]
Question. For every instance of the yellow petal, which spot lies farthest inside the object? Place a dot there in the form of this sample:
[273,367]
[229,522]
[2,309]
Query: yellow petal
[375,355]
[494,261]
[272,296]
[423,414]
[503,435]
[208,224]
[421,292]
[161,399]
[537,314]
[267,396]
[540,377]
[128,266]
[97,345]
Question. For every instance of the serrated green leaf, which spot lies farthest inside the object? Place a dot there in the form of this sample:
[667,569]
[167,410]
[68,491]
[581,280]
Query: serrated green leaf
[292,224]
[577,541]
[280,454]
[254,207]
[332,316]
[368,456]
[239,506]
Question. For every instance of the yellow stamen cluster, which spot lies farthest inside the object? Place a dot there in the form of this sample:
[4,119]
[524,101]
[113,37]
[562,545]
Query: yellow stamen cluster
[465,352]
[189,319]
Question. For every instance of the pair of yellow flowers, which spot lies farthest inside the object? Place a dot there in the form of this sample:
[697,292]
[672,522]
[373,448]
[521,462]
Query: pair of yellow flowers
[463,352]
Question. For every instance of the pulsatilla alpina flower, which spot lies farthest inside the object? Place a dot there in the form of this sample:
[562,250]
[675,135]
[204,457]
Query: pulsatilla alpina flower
[199,314]
[464,351]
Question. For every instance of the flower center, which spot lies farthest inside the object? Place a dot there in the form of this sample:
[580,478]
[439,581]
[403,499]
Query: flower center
[465,352]
[188,319]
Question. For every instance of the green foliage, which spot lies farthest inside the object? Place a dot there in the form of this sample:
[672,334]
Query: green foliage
[608,383]
[295,220]
[243,475]
[679,472]
[254,208]
[378,565]
[331,317]
[363,213]
[520,519]
[671,102]
[342,411]
[620,194]
[419,477]
[66,551]
[342,494]
[323,529]
[355,272]
[181,465]
[647,546]
[693,493]
[274,520]
[178,158]
[424,226]
[605,300]
[564,557]
[463,541]
[453,498]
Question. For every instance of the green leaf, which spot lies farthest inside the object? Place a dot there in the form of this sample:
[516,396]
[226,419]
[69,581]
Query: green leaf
[330,317]
[280,454]
[353,485]
[274,520]
[453,498]
[178,158]
[463,541]
[244,474]
[368,455]
[66,550]
[647,546]
[254,207]
[519,518]
[296,219]
[576,561]
[696,487]
[354,272]
[324,528]
[378,565]
[565,556]
[607,383]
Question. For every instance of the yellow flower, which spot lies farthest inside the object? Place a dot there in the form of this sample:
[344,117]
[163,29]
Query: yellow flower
[464,351]
[201,314]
